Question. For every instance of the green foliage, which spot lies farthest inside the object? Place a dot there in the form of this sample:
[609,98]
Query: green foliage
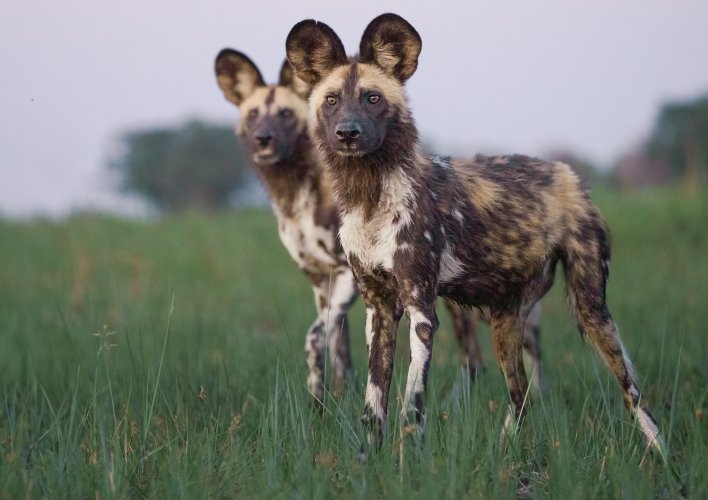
[196,165]
[165,360]
[680,137]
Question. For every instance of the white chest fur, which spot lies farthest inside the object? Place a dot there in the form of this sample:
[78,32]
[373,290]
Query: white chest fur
[373,240]
[311,246]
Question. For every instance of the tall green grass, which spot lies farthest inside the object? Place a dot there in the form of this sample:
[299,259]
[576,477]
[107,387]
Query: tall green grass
[165,359]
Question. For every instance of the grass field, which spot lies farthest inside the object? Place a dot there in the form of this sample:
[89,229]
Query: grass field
[165,359]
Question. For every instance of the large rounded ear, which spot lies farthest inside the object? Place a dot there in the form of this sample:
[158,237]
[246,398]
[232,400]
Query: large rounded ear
[289,79]
[237,75]
[314,50]
[391,43]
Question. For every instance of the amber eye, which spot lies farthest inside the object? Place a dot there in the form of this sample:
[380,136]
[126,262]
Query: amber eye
[286,113]
[374,98]
[331,100]
[253,113]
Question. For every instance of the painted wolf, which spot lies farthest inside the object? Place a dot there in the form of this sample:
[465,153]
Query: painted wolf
[486,231]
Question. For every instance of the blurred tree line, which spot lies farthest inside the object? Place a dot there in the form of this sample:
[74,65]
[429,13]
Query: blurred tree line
[194,165]
[205,166]
[676,150]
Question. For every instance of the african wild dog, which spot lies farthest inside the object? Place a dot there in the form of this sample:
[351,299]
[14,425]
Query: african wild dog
[486,231]
[274,128]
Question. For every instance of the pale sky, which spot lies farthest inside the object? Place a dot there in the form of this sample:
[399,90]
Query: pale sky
[520,76]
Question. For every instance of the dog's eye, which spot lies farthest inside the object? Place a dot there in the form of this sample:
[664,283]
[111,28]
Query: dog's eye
[253,113]
[374,98]
[286,113]
[331,100]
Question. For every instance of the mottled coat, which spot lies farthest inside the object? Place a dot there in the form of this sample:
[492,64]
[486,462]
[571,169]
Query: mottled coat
[273,126]
[485,231]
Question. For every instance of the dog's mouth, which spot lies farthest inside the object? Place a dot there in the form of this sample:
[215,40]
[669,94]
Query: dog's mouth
[266,157]
[357,152]
[352,148]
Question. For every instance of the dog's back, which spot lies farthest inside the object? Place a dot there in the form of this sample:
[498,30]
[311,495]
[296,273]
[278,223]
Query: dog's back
[510,218]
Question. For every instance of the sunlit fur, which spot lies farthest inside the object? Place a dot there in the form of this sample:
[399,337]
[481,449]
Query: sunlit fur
[486,231]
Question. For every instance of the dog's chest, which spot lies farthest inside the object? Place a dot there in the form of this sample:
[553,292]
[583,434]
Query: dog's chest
[374,241]
[372,236]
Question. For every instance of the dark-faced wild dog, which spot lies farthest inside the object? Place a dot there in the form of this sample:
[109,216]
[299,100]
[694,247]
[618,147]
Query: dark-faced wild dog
[486,231]
[273,126]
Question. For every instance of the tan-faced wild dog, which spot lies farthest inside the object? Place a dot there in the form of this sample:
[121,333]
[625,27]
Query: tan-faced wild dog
[485,232]
[273,127]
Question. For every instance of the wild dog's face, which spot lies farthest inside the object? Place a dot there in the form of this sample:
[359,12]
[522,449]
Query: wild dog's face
[356,105]
[273,117]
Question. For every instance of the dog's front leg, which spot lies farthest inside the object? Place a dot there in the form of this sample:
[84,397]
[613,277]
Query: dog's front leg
[382,318]
[423,325]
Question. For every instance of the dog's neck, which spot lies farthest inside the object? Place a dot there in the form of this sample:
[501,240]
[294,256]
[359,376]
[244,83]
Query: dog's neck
[285,179]
[360,182]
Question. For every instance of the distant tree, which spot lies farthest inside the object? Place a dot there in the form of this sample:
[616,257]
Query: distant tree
[680,137]
[196,165]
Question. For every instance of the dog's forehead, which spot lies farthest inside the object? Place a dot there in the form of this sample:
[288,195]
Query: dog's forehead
[372,77]
[256,100]
[274,97]
[287,98]
[335,81]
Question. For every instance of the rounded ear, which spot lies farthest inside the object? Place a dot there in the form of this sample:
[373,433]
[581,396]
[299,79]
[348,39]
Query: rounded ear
[391,43]
[289,79]
[314,50]
[237,75]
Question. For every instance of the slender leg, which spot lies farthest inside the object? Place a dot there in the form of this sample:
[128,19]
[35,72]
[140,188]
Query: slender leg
[314,352]
[341,293]
[601,331]
[315,339]
[465,327]
[507,337]
[423,324]
[532,346]
[381,324]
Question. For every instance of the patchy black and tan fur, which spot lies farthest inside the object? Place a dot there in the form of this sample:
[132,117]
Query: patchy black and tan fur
[485,232]
[273,126]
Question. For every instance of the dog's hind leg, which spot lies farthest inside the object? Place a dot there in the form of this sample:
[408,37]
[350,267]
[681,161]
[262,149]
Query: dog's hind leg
[464,324]
[587,268]
[508,340]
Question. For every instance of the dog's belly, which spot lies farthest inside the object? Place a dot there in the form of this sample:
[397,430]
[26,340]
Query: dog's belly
[498,287]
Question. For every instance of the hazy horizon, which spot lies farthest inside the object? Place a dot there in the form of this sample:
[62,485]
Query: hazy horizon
[513,77]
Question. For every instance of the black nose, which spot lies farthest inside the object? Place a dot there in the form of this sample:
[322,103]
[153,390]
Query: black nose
[263,139]
[347,131]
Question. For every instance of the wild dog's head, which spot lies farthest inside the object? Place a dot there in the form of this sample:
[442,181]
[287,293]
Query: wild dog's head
[273,118]
[358,106]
